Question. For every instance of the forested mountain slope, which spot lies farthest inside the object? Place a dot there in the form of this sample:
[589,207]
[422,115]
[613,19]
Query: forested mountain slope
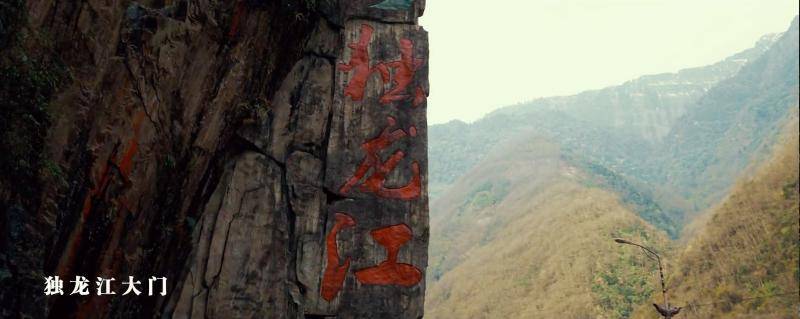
[526,235]
[730,126]
[744,260]
[648,106]
[528,199]
[679,140]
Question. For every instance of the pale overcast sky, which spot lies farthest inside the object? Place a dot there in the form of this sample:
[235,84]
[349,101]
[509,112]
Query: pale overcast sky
[489,54]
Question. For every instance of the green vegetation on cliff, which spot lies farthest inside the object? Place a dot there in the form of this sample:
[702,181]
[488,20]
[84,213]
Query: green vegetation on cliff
[744,261]
[526,235]
[30,73]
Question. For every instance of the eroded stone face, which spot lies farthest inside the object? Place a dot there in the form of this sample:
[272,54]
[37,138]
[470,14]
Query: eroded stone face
[379,113]
[346,136]
[377,163]
[239,252]
[269,159]
[383,11]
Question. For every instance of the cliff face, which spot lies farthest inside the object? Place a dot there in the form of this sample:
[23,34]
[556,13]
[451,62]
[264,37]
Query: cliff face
[267,157]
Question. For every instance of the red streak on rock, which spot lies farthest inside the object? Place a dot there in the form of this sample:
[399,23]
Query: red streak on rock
[333,278]
[238,11]
[390,272]
[404,70]
[419,97]
[110,262]
[372,161]
[98,188]
[126,164]
[124,167]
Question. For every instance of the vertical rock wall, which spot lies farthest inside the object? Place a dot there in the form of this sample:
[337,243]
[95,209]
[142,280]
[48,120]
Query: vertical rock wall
[268,158]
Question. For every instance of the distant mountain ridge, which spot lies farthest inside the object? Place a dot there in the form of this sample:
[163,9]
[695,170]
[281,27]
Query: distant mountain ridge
[731,126]
[679,87]
[646,106]
[641,131]
[527,200]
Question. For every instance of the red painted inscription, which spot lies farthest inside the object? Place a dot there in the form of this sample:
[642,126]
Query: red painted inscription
[390,272]
[372,161]
[333,278]
[359,65]
[404,70]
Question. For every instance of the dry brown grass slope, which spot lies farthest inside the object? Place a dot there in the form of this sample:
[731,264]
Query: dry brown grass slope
[522,236]
[743,262]
[477,206]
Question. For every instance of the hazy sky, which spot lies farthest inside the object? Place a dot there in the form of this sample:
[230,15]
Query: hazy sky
[489,54]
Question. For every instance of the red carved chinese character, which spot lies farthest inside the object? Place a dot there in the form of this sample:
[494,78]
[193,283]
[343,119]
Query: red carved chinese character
[375,182]
[359,64]
[390,272]
[333,278]
[405,68]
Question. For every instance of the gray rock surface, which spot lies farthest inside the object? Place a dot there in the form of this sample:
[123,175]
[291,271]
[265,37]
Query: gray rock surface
[209,142]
